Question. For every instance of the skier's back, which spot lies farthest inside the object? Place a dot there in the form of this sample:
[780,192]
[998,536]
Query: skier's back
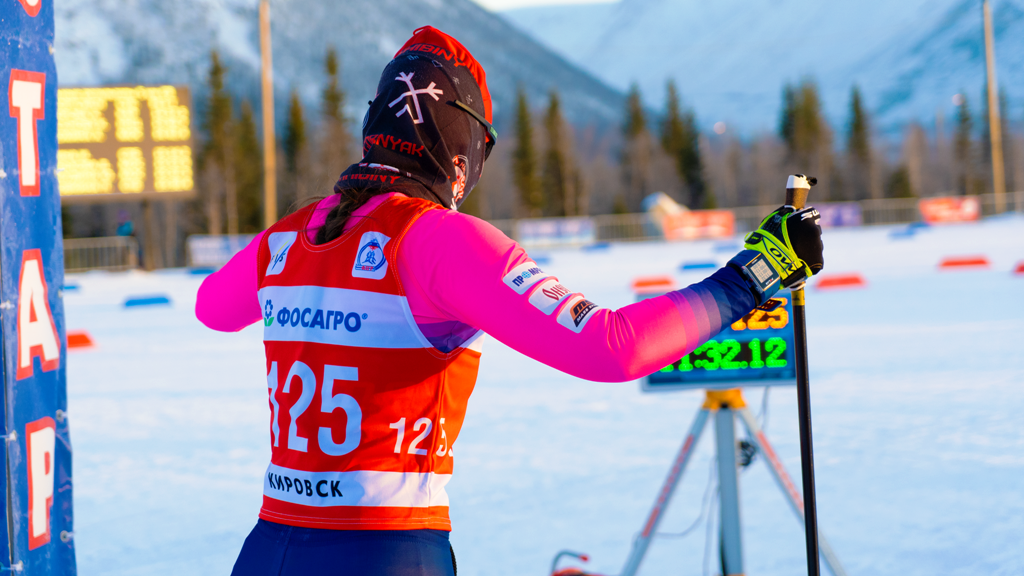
[375,302]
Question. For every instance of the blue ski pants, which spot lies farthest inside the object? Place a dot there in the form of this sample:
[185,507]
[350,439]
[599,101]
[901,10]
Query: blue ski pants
[273,549]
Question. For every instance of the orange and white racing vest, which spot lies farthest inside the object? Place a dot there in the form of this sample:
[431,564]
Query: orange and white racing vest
[364,411]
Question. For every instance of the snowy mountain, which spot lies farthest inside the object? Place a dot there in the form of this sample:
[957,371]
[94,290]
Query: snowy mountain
[155,41]
[730,58]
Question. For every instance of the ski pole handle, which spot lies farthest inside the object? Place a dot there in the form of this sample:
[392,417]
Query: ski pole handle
[797,189]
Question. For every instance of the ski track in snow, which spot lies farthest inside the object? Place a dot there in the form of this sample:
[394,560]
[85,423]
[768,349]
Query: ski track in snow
[916,390]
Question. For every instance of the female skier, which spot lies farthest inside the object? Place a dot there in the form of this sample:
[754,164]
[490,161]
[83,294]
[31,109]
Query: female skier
[375,301]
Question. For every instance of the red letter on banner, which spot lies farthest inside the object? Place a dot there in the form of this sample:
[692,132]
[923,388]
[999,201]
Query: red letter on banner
[37,334]
[25,94]
[40,441]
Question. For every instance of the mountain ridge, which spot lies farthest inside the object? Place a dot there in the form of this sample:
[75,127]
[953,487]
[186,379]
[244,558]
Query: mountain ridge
[151,41]
[732,58]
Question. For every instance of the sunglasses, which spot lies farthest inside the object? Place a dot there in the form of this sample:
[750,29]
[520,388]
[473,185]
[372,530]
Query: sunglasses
[492,134]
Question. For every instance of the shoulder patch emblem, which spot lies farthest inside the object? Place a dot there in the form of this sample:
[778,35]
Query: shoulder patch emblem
[370,261]
[279,244]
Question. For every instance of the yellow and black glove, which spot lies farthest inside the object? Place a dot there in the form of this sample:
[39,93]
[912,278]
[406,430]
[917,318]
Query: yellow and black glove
[784,251]
[791,240]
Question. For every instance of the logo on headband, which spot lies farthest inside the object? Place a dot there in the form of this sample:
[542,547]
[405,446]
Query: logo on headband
[414,93]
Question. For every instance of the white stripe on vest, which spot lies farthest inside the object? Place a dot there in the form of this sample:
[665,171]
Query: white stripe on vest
[359,488]
[338,316]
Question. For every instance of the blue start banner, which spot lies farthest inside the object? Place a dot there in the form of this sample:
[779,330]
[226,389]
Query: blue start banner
[38,448]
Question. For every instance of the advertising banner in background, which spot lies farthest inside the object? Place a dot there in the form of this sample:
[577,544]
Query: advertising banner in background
[698,224]
[555,232]
[38,489]
[834,215]
[949,209]
[206,251]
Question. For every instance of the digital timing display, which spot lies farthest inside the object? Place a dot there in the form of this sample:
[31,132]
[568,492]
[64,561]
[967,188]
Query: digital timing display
[756,350]
[120,141]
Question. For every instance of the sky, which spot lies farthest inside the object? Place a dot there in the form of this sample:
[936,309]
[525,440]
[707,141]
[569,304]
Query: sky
[497,5]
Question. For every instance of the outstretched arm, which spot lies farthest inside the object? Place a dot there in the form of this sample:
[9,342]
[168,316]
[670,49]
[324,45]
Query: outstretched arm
[472,273]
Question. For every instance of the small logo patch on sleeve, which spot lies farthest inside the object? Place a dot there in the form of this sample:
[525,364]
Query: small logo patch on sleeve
[370,261]
[279,244]
[548,295]
[523,276]
[576,313]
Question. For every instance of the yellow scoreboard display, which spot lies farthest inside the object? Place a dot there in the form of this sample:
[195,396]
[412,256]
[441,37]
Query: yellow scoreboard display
[124,143]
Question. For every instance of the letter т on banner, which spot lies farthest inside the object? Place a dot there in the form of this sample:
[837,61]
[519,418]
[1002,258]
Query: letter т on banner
[37,535]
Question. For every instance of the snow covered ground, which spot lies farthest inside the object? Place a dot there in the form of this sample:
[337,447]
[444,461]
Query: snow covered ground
[917,390]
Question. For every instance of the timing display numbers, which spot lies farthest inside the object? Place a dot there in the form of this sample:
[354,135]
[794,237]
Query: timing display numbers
[121,142]
[756,350]
[732,355]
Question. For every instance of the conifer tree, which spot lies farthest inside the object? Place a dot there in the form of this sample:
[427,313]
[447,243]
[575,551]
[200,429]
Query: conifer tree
[295,148]
[963,147]
[808,124]
[636,118]
[681,140]
[899,185]
[217,159]
[336,147]
[803,128]
[333,97]
[524,159]
[788,114]
[672,126]
[555,173]
[249,172]
[857,140]
[294,133]
[858,146]
[636,151]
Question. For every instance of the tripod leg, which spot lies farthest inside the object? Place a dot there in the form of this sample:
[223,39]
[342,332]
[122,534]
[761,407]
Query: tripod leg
[787,486]
[729,492]
[642,541]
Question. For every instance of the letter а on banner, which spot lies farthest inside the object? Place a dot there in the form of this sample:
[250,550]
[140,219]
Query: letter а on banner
[40,441]
[25,93]
[37,333]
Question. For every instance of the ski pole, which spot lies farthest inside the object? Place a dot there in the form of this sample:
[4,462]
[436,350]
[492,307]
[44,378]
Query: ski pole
[797,198]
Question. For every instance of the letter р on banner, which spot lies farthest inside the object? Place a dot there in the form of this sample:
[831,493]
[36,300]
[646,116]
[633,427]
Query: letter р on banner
[37,450]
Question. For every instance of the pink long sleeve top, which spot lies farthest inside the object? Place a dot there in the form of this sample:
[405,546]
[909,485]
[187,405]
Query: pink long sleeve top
[452,298]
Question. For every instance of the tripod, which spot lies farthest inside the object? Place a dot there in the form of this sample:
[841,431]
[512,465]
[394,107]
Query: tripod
[726,405]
